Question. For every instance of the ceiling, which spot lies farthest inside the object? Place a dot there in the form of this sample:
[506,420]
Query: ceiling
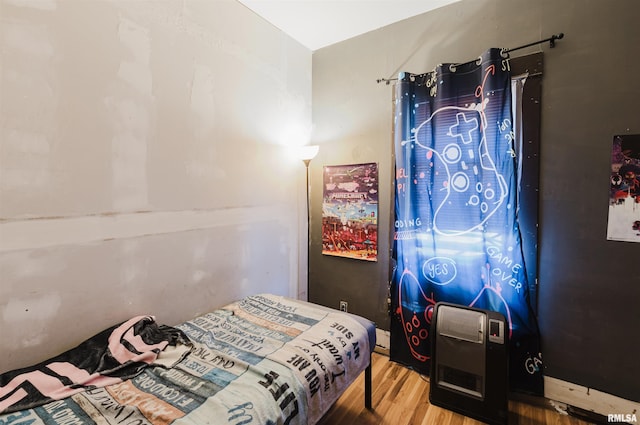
[320,23]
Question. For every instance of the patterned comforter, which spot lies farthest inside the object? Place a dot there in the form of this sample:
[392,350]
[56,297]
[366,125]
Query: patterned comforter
[263,360]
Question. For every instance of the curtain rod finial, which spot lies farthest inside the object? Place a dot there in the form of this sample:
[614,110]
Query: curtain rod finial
[552,40]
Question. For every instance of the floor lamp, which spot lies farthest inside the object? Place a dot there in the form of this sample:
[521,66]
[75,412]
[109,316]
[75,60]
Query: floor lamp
[307,153]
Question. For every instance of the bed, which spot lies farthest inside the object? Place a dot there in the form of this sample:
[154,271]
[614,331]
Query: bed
[264,359]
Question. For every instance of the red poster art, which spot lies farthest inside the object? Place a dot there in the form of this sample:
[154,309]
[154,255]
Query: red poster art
[624,196]
[350,211]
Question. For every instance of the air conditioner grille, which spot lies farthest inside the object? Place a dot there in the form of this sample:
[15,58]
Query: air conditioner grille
[466,325]
[461,381]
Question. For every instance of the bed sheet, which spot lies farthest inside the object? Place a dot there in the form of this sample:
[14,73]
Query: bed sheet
[262,360]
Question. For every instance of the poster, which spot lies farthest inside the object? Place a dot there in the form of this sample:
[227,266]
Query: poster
[350,211]
[624,196]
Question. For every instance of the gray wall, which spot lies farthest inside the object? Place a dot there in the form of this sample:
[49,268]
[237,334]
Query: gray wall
[144,165]
[589,288]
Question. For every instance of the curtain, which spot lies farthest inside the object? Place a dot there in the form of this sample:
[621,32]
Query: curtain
[456,235]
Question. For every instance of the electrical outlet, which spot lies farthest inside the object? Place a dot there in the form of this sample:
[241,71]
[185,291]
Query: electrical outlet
[344,306]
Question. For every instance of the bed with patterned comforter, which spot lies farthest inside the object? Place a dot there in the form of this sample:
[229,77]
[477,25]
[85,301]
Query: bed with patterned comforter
[263,360]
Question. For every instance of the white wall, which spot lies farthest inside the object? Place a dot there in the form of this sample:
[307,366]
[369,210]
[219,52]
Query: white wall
[144,166]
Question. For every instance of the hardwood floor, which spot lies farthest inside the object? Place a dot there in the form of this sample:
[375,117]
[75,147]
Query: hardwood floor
[400,396]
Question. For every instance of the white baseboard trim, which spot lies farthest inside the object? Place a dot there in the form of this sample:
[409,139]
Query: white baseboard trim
[611,407]
[383,341]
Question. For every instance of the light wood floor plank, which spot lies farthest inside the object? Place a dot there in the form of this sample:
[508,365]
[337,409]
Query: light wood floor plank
[400,396]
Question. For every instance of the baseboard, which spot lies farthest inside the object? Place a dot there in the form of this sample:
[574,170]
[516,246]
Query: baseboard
[383,342]
[564,395]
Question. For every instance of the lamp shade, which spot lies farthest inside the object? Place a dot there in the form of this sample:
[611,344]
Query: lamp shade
[308,152]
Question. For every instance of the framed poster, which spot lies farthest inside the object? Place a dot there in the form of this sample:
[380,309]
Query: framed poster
[350,211]
[624,196]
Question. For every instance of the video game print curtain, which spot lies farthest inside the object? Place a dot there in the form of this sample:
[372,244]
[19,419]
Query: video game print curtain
[456,235]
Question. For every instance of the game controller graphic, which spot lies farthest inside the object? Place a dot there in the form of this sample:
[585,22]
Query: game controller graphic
[415,317]
[465,176]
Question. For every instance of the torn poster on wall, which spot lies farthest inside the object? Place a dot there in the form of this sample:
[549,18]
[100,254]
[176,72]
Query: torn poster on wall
[624,196]
[350,211]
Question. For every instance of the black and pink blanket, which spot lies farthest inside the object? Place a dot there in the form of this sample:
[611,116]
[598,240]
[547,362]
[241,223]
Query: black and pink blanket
[112,356]
[264,360]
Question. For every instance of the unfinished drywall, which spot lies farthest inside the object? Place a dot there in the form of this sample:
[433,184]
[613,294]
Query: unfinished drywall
[589,287]
[145,165]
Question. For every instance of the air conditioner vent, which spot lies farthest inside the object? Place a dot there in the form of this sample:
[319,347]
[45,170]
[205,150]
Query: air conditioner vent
[466,325]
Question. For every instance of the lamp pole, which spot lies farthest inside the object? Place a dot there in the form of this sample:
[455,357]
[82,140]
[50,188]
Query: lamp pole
[307,154]
[306,164]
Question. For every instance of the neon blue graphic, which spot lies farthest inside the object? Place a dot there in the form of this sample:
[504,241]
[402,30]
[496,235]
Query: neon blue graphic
[457,237]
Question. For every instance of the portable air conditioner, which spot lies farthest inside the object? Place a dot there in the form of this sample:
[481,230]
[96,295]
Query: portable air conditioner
[469,363]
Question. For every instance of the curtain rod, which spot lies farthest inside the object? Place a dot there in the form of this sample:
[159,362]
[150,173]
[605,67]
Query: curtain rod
[551,40]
